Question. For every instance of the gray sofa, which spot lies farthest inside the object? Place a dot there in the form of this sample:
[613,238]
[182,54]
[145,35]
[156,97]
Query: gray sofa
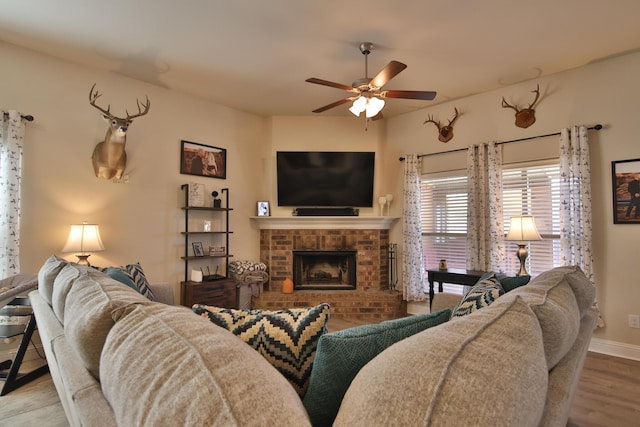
[117,358]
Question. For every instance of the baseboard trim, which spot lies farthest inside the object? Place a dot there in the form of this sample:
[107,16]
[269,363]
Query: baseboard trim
[614,348]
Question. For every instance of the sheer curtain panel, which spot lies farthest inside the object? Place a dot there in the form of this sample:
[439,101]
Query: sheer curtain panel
[575,208]
[413,275]
[485,228]
[11,136]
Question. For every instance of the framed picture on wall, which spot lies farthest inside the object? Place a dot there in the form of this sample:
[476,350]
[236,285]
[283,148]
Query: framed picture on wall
[203,160]
[625,176]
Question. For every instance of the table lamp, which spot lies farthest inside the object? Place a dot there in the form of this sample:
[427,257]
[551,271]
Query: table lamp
[83,238]
[522,230]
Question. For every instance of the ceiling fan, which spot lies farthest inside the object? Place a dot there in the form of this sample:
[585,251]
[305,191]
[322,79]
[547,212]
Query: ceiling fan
[368,96]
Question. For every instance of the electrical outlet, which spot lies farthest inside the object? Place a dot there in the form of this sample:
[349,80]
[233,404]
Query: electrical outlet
[634,321]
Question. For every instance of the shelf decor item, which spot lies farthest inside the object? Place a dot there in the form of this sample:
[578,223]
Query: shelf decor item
[196,194]
[197,249]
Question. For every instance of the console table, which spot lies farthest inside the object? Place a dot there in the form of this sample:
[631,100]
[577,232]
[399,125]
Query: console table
[454,276]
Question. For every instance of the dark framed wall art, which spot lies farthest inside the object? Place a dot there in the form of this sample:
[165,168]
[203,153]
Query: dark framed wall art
[203,160]
[625,175]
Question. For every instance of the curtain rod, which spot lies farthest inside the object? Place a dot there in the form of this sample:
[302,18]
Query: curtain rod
[27,117]
[596,127]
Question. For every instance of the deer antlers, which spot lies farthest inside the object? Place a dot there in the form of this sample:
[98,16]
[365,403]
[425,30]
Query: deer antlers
[94,95]
[445,133]
[525,117]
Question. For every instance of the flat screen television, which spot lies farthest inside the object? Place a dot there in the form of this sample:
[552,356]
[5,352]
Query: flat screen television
[325,179]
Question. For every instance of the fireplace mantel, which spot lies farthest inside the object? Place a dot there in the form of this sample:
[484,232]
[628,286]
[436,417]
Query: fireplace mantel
[324,222]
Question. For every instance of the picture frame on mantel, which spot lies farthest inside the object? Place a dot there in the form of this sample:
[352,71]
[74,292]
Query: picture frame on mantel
[203,160]
[625,177]
[263,208]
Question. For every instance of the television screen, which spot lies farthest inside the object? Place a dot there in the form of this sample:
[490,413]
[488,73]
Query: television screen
[325,179]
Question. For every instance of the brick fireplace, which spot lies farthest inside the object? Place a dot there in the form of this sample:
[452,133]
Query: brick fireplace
[366,237]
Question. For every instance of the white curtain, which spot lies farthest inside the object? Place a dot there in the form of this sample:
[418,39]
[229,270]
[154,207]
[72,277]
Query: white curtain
[485,228]
[11,136]
[413,275]
[575,209]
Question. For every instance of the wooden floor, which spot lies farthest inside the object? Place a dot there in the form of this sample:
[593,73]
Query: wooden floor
[608,395]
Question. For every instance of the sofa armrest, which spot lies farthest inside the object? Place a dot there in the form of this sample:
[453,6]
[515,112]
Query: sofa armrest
[163,292]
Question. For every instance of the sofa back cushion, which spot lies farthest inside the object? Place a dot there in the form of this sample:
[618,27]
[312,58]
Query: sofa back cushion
[164,364]
[487,368]
[87,314]
[62,285]
[553,300]
[47,274]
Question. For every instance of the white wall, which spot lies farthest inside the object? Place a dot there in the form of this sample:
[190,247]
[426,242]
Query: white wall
[141,220]
[605,92]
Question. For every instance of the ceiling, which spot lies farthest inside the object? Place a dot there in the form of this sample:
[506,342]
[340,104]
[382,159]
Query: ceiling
[254,55]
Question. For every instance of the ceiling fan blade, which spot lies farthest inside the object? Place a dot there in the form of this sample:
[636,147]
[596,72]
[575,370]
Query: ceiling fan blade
[331,84]
[392,69]
[330,106]
[408,94]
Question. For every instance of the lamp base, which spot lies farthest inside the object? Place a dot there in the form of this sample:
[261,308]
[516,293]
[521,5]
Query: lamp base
[522,254]
[83,259]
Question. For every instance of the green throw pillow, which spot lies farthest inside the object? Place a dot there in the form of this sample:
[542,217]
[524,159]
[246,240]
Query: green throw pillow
[482,294]
[510,283]
[342,354]
[286,338]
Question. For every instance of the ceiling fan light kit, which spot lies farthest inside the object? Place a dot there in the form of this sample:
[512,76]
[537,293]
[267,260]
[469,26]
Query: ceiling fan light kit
[368,92]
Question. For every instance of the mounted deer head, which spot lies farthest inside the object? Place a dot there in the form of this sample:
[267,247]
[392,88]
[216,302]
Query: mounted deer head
[525,117]
[109,158]
[445,133]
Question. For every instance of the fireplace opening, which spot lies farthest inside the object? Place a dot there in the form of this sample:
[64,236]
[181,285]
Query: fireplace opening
[330,270]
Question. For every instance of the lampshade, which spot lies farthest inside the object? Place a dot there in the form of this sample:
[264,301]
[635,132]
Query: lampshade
[522,229]
[83,238]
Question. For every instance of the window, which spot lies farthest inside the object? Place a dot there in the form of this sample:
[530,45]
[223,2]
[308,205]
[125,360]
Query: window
[527,189]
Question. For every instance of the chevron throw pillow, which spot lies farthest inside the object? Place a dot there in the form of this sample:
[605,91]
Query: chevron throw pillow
[482,294]
[286,338]
[133,276]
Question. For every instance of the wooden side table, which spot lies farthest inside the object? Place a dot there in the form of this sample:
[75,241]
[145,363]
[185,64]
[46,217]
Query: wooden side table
[453,276]
[218,293]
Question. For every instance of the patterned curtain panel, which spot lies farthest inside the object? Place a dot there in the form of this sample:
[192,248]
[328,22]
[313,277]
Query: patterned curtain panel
[575,210]
[11,136]
[413,280]
[485,228]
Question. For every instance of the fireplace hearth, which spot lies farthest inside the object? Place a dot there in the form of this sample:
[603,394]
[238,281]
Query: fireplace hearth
[321,269]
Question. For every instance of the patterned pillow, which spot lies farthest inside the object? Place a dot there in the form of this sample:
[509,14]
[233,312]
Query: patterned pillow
[482,294]
[342,354]
[510,283]
[133,276]
[286,338]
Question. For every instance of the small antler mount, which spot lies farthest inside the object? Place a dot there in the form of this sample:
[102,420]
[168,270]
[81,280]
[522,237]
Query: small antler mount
[445,133]
[525,117]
